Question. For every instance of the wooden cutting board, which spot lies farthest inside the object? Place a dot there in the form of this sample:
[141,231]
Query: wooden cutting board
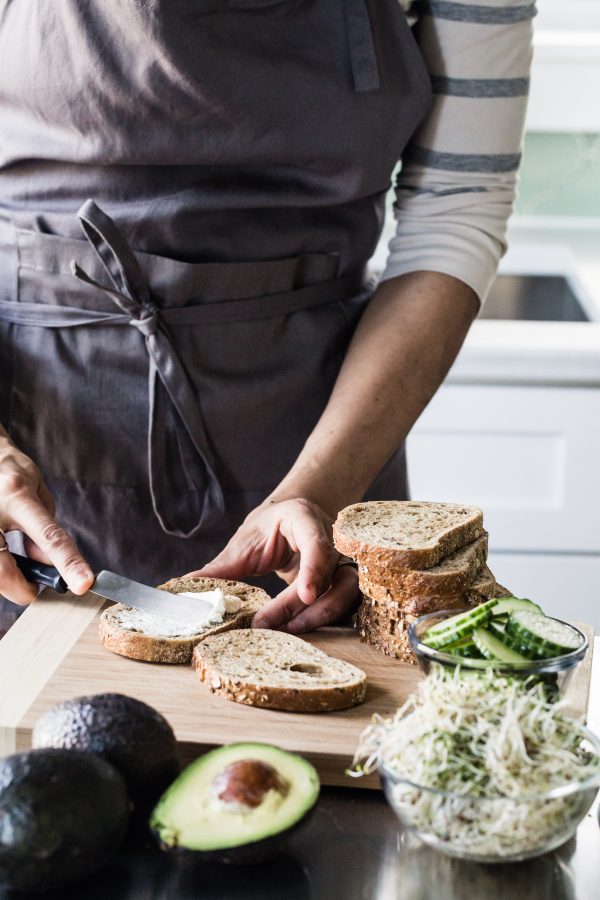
[53,653]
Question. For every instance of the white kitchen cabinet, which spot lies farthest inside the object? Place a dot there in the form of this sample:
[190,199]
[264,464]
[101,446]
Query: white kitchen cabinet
[528,455]
[566,62]
[567,585]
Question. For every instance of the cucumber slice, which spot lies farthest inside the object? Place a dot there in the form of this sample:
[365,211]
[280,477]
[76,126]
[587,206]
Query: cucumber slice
[458,626]
[445,639]
[507,605]
[498,629]
[465,648]
[492,648]
[542,635]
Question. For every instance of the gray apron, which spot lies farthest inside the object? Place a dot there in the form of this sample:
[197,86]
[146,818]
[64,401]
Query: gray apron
[167,347]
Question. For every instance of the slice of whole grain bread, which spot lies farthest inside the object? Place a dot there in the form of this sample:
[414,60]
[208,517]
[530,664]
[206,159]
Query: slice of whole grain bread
[393,640]
[144,636]
[384,623]
[277,671]
[379,612]
[406,533]
[483,586]
[450,576]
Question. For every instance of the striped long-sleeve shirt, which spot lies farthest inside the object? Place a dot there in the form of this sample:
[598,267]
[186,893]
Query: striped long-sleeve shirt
[458,178]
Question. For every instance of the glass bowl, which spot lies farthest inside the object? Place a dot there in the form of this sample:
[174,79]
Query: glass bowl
[492,830]
[555,672]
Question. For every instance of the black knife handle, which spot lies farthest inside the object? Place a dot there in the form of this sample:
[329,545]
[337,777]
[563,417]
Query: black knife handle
[40,574]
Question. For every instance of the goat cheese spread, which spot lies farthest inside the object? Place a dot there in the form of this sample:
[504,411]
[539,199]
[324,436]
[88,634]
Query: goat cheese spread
[160,626]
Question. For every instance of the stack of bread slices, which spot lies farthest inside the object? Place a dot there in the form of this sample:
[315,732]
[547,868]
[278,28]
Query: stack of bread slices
[413,558]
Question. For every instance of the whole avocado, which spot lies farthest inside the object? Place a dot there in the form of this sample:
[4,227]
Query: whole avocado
[63,815]
[131,735]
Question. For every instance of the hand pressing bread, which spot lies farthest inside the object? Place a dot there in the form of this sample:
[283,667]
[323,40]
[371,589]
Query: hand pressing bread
[291,537]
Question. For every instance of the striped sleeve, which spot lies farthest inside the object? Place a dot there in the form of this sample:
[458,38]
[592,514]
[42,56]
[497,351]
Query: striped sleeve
[457,182]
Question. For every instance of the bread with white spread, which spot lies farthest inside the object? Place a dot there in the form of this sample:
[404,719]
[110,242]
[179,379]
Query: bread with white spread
[153,638]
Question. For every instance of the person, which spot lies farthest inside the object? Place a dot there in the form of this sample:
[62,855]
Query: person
[196,372]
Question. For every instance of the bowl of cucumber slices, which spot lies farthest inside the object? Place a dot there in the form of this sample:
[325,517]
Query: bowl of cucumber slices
[510,635]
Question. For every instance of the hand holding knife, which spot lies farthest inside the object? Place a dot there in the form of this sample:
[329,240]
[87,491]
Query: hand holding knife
[121,590]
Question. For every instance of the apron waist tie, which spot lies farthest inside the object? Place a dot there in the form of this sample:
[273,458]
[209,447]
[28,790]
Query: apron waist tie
[131,295]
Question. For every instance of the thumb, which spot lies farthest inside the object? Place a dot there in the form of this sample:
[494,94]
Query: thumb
[227,564]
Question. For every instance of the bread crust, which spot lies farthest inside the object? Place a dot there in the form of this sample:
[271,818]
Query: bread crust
[205,661]
[385,624]
[371,554]
[433,581]
[286,699]
[379,596]
[178,650]
[396,644]
[483,587]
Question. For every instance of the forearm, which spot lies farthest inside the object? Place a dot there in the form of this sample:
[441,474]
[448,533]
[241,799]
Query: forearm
[401,351]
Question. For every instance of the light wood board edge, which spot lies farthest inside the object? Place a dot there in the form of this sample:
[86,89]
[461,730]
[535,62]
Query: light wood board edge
[29,658]
[331,769]
[593,714]
[577,694]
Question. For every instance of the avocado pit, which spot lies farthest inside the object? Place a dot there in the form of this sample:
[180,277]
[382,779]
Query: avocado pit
[246,782]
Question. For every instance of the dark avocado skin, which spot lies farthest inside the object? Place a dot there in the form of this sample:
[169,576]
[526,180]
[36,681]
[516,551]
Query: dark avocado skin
[63,814]
[246,854]
[131,735]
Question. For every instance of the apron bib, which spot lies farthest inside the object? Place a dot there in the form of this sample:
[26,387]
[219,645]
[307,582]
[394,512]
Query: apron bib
[166,350]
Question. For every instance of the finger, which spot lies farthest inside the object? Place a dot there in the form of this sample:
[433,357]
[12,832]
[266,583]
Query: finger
[248,552]
[339,602]
[227,564]
[32,517]
[278,612]
[13,585]
[306,533]
[46,498]
[33,551]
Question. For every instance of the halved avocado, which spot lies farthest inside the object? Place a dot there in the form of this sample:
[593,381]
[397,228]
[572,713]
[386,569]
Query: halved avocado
[237,804]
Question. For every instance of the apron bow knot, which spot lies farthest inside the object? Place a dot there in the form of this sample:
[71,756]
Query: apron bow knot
[203,501]
[147,323]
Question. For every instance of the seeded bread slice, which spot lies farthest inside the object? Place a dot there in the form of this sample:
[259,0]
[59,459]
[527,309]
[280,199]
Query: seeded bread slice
[277,671]
[382,612]
[483,586]
[392,641]
[451,575]
[138,635]
[387,621]
[385,624]
[405,533]
[385,627]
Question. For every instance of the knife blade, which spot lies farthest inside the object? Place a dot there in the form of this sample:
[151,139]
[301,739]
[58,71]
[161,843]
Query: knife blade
[122,590]
[131,593]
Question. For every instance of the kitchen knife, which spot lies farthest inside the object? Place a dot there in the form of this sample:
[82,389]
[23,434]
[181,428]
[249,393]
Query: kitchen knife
[122,590]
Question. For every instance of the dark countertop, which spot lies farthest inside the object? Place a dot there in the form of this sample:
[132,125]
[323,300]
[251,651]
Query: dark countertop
[353,849]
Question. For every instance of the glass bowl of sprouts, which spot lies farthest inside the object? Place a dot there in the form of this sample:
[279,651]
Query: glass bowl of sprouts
[485,768]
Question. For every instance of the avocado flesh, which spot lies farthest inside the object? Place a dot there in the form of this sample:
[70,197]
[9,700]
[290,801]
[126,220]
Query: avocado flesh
[190,814]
